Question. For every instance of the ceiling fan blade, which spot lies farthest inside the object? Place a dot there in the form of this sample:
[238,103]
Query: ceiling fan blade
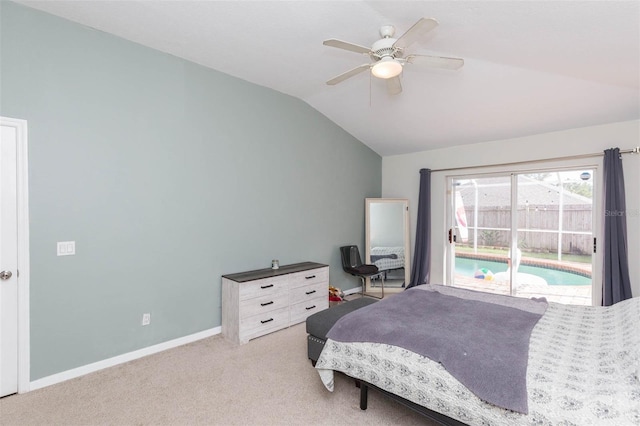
[345,75]
[393,85]
[419,29]
[436,61]
[346,46]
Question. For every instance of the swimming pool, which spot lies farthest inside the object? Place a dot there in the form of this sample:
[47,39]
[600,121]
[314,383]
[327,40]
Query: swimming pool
[468,266]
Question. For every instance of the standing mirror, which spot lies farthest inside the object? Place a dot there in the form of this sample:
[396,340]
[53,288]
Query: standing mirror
[387,242]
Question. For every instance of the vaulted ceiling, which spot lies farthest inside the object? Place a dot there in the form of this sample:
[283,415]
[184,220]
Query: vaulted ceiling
[530,66]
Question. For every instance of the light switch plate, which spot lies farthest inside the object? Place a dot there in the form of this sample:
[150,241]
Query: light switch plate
[66,248]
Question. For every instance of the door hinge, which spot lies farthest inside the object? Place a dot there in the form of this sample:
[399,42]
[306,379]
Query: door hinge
[452,236]
[594,245]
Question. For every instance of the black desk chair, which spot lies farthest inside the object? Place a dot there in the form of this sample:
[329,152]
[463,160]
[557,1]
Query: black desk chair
[352,264]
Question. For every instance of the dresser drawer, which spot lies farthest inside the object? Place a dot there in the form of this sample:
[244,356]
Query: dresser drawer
[264,303]
[301,294]
[260,324]
[265,287]
[310,277]
[300,311]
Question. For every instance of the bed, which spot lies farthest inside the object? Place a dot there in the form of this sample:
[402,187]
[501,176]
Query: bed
[582,367]
[387,258]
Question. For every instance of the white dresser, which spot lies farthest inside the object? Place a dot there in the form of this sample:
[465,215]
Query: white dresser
[256,303]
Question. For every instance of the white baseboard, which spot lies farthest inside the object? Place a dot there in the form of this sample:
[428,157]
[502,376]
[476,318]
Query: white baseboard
[121,359]
[353,291]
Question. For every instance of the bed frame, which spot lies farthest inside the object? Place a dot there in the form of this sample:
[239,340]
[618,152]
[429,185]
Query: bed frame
[439,418]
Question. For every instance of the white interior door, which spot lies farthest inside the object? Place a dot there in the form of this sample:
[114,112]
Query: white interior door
[8,262]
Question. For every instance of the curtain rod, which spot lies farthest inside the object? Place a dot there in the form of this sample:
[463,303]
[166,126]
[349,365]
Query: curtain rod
[635,150]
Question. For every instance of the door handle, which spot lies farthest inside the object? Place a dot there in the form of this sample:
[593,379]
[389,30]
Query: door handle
[5,275]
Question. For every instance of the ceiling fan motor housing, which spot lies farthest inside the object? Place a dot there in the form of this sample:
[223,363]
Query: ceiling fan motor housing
[384,47]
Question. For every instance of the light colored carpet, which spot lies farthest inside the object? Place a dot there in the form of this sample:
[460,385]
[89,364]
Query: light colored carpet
[268,381]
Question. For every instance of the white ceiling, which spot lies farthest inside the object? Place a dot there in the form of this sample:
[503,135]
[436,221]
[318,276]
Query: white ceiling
[530,66]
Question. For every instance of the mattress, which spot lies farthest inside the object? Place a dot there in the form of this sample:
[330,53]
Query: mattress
[583,369]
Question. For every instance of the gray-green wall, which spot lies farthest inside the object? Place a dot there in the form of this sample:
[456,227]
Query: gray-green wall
[167,175]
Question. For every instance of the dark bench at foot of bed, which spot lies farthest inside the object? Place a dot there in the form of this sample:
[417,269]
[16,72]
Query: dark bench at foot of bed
[319,324]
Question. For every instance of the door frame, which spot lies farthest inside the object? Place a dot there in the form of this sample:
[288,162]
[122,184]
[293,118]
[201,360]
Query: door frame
[22,205]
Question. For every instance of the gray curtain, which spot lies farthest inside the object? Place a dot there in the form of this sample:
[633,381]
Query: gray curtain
[422,252]
[616,282]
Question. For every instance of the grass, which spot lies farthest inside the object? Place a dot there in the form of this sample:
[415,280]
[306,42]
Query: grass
[503,252]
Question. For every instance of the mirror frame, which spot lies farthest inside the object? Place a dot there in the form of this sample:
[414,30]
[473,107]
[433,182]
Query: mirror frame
[407,251]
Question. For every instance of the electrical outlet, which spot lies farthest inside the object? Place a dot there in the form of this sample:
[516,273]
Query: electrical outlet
[146,319]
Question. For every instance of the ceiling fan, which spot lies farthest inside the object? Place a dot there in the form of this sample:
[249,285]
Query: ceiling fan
[388,55]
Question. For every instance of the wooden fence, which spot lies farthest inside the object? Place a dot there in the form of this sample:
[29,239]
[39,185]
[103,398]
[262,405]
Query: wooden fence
[538,228]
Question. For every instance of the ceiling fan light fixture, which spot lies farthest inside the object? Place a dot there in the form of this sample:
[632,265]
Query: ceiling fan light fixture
[386,67]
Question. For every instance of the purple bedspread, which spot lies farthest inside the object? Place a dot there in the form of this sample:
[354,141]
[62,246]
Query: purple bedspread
[483,345]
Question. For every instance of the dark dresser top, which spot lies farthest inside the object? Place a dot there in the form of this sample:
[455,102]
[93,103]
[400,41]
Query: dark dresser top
[259,274]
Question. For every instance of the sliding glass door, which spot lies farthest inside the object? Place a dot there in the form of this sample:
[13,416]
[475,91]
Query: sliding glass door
[525,235]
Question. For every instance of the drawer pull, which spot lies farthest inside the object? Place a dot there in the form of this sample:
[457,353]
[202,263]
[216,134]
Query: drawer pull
[266,321]
[266,286]
[309,277]
[311,292]
[267,304]
[310,307]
